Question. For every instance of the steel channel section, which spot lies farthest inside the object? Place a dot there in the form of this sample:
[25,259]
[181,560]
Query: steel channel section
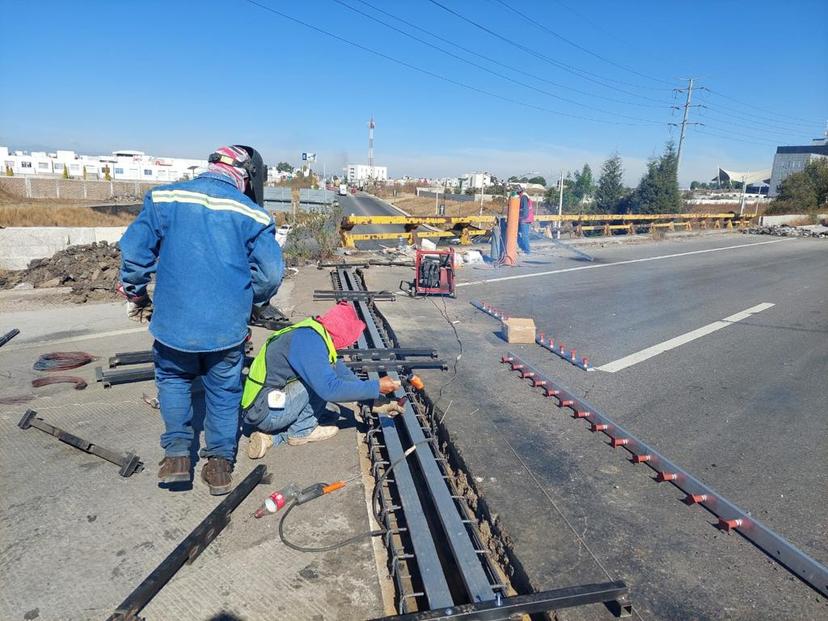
[436,588]
[130,357]
[583,363]
[806,568]
[471,569]
[188,550]
[512,607]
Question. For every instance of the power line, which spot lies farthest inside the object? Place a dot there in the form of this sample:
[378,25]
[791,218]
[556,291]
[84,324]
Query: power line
[495,73]
[431,73]
[755,128]
[747,105]
[579,72]
[764,124]
[506,66]
[577,46]
[731,138]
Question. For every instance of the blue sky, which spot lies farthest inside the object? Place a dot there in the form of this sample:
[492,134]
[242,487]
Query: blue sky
[179,78]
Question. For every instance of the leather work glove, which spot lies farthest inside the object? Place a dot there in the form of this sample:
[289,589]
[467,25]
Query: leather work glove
[391,408]
[387,385]
[139,308]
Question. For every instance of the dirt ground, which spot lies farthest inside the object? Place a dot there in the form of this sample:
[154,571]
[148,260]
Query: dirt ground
[424,206]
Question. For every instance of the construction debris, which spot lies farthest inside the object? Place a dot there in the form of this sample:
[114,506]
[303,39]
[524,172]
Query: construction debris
[785,230]
[91,270]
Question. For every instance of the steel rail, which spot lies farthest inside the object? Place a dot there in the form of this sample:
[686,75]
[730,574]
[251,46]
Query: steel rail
[474,578]
[435,586]
[548,344]
[731,517]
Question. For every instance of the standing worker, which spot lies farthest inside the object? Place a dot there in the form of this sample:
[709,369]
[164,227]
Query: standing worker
[296,374]
[213,249]
[527,217]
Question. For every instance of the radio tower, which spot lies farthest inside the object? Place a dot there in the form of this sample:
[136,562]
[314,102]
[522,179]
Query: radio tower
[371,126]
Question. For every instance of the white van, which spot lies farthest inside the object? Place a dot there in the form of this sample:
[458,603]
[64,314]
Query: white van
[343,189]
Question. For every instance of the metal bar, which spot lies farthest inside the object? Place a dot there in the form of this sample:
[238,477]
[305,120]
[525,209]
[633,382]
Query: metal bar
[396,366]
[188,550]
[431,573]
[614,593]
[130,357]
[559,349]
[110,378]
[320,294]
[128,462]
[8,336]
[471,570]
[730,516]
[387,353]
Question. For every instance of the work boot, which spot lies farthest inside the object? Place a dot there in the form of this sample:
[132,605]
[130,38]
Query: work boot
[174,469]
[258,445]
[217,474]
[320,432]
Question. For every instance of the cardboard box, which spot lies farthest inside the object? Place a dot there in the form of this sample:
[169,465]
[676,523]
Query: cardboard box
[519,330]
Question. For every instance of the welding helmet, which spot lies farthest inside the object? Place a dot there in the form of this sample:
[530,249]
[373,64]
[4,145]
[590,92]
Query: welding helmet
[253,166]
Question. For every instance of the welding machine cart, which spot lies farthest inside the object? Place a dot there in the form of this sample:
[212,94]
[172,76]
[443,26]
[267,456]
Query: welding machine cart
[433,273]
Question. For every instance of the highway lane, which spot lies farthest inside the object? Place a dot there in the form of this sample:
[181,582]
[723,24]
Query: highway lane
[362,204]
[743,409]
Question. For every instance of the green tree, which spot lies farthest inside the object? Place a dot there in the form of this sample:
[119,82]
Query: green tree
[584,187]
[66,171]
[537,179]
[569,201]
[803,191]
[610,188]
[658,190]
[284,167]
[9,171]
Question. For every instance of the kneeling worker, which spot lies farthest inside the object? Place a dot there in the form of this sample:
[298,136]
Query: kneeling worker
[296,374]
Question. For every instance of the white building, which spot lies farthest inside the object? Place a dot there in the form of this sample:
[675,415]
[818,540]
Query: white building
[793,159]
[356,173]
[476,180]
[127,165]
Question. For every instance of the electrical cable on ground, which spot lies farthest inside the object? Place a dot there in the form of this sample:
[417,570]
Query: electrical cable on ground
[453,377]
[375,510]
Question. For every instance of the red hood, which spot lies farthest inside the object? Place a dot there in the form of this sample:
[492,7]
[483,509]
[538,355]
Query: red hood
[342,324]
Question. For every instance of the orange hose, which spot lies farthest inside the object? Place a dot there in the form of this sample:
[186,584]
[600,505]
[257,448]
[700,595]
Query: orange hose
[333,487]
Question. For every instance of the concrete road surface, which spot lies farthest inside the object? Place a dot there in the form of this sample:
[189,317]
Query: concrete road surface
[743,408]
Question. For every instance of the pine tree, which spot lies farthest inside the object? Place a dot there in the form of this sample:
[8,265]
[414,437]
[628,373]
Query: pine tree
[658,191]
[610,189]
[583,187]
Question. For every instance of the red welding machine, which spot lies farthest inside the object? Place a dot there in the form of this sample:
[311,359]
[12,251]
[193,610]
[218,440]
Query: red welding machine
[433,273]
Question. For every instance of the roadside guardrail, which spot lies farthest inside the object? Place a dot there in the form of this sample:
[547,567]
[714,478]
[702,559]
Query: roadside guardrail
[467,227]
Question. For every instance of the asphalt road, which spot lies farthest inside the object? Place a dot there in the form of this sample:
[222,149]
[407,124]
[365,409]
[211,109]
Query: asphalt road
[362,204]
[743,409]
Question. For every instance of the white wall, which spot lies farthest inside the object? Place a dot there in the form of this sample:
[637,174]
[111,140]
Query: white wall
[19,245]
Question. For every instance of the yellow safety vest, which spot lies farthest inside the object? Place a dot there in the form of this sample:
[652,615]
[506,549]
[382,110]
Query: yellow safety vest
[258,370]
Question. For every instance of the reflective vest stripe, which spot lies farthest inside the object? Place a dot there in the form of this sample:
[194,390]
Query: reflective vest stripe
[257,375]
[210,202]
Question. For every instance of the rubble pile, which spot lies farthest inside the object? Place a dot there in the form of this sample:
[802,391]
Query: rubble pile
[785,230]
[91,270]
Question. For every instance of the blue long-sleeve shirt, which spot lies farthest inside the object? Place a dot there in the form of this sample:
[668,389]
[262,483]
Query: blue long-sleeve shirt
[308,357]
[214,254]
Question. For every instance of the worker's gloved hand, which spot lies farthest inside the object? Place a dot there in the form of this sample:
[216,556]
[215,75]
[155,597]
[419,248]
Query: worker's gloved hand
[139,308]
[389,409]
[387,385]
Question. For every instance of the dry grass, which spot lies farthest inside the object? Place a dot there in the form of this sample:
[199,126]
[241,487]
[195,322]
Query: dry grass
[38,215]
[424,206]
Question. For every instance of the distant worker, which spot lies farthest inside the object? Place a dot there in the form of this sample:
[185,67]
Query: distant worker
[527,217]
[213,249]
[296,373]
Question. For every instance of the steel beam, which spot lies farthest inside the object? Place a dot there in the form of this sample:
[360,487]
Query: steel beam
[129,463]
[434,582]
[387,353]
[615,594]
[731,517]
[111,378]
[475,580]
[130,357]
[188,550]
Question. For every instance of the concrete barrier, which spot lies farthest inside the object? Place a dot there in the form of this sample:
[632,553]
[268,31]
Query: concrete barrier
[787,218]
[19,245]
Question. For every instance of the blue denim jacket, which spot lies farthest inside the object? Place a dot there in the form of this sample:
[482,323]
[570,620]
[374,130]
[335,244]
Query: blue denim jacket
[214,254]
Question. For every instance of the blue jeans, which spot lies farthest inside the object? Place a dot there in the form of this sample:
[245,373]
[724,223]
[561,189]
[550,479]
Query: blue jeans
[297,419]
[220,373]
[523,237]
